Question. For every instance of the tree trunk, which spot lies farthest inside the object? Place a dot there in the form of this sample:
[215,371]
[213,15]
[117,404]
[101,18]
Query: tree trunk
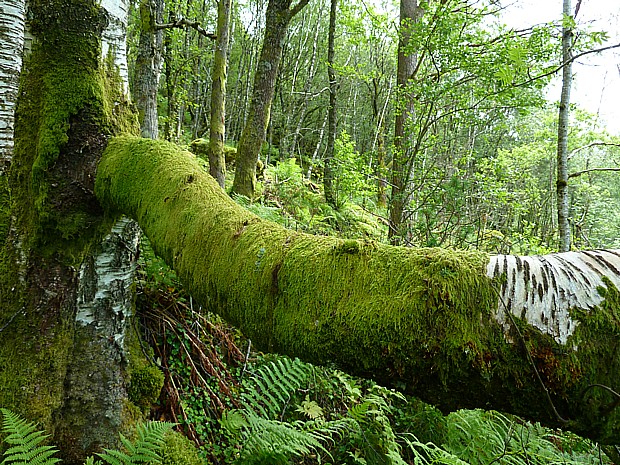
[401,159]
[65,297]
[148,67]
[328,172]
[431,321]
[563,122]
[217,161]
[278,17]
[12,14]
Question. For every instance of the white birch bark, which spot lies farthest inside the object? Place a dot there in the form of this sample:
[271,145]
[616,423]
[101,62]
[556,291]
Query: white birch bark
[563,122]
[12,14]
[114,41]
[95,398]
[543,289]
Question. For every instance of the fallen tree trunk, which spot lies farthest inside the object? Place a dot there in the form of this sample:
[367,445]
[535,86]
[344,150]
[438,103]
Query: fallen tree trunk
[450,327]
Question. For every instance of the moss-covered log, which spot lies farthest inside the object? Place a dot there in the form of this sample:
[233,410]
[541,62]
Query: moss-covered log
[424,320]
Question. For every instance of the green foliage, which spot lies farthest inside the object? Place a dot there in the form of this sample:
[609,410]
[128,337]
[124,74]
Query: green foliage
[145,448]
[272,385]
[25,442]
[484,437]
[351,172]
[146,384]
[268,441]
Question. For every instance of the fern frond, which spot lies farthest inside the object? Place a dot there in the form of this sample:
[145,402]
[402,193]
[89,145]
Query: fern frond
[146,447]
[271,441]
[270,388]
[26,441]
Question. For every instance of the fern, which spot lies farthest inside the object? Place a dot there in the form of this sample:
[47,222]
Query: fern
[146,447]
[274,442]
[273,384]
[26,441]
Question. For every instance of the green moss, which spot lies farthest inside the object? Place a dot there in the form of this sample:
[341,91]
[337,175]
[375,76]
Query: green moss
[178,450]
[386,311]
[5,209]
[145,387]
[200,147]
[595,366]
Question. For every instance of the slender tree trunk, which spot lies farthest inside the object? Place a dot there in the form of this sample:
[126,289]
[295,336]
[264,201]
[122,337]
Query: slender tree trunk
[217,161]
[401,162]
[171,102]
[328,171]
[12,14]
[278,17]
[312,66]
[148,67]
[563,122]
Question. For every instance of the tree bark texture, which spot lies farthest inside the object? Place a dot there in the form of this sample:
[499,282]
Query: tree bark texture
[148,66]
[12,14]
[278,17]
[401,159]
[563,122]
[535,336]
[65,297]
[114,43]
[328,171]
[217,125]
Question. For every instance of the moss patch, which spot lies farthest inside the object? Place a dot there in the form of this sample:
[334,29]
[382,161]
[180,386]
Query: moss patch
[145,387]
[178,450]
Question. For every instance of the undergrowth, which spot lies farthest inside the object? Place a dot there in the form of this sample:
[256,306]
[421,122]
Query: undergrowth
[27,444]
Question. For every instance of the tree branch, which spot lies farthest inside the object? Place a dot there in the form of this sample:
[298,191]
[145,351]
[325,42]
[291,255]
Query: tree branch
[183,22]
[579,173]
[593,144]
[297,8]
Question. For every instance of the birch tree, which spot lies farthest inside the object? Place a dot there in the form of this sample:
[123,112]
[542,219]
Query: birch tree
[533,336]
[65,285]
[563,122]
[12,13]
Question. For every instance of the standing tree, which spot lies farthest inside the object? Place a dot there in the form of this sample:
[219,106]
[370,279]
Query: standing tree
[12,13]
[332,123]
[148,66]
[563,117]
[217,162]
[65,284]
[401,160]
[278,17]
